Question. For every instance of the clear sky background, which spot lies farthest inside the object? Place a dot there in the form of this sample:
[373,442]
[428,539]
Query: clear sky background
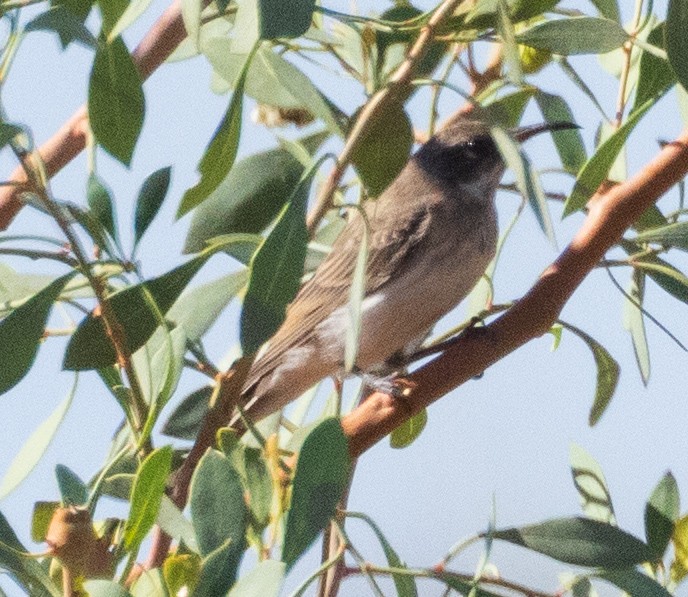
[504,437]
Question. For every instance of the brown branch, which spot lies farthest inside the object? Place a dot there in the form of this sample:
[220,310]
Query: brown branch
[396,90]
[610,214]
[160,41]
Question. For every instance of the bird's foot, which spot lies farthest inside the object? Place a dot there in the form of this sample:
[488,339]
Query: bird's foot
[393,385]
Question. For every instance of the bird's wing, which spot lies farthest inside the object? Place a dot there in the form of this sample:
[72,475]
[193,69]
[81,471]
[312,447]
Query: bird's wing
[328,288]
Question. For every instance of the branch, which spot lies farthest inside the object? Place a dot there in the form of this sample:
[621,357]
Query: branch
[160,41]
[610,213]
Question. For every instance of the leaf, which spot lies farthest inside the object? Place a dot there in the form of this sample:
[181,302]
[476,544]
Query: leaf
[111,11]
[35,447]
[265,580]
[655,74]
[591,485]
[150,199]
[258,483]
[356,296]
[461,586]
[581,542]
[40,521]
[186,419]
[676,42]
[134,9]
[484,14]
[116,104]
[22,330]
[569,143]
[607,373]
[284,18]
[219,517]
[671,235]
[68,26]
[507,110]
[578,35]
[634,322]
[251,197]
[666,276]
[105,588]
[526,179]
[322,474]
[512,60]
[608,9]
[276,271]
[661,514]
[90,346]
[407,433]
[383,149]
[171,520]
[149,584]
[100,204]
[8,132]
[181,573]
[633,582]
[679,567]
[73,490]
[595,170]
[221,152]
[149,486]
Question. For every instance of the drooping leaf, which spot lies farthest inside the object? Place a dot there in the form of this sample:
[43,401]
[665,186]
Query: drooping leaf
[384,149]
[634,582]
[72,489]
[265,580]
[21,332]
[407,433]
[91,348]
[507,110]
[116,104]
[276,271]
[591,485]
[111,11]
[634,322]
[666,276]
[569,143]
[578,35]
[595,170]
[100,205]
[221,152]
[676,42]
[150,199]
[322,473]
[68,26]
[661,513]
[149,486]
[580,542]
[218,570]
[34,447]
[671,235]
[484,13]
[185,420]
[607,373]
[655,74]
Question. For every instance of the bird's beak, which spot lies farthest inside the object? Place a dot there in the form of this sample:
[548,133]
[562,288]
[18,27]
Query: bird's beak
[524,133]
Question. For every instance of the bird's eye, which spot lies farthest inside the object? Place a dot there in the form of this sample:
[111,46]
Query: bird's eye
[473,150]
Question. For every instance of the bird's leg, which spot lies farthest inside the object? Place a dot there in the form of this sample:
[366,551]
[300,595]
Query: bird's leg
[472,327]
[388,377]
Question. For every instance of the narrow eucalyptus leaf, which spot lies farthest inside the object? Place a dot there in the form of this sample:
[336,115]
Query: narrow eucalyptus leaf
[101,205]
[578,35]
[569,143]
[676,41]
[150,199]
[634,582]
[284,18]
[634,322]
[591,485]
[655,74]
[72,489]
[265,580]
[661,513]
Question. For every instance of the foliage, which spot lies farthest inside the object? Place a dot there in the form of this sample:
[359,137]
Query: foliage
[273,491]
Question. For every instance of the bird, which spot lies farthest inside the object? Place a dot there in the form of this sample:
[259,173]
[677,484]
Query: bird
[431,235]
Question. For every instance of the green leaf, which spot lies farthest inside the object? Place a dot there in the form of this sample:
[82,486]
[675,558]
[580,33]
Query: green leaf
[633,583]
[507,110]
[150,199]
[407,433]
[258,482]
[284,18]
[666,276]
[181,573]
[578,35]
[384,149]
[461,586]
[676,42]
[595,170]
[608,9]
[40,521]
[661,513]
[171,520]
[68,26]
[671,235]
[581,542]
[221,152]
[219,517]
[186,419]
[134,9]
[116,104]
[591,485]
[607,373]
[91,348]
[111,11]
[276,271]
[34,447]
[265,580]
[100,204]
[251,197]
[322,474]
[569,143]
[634,322]
[105,588]
[149,584]
[149,486]
[73,490]
[21,333]
[8,132]
[512,60]
[655,74]
[484,14]
[527,180]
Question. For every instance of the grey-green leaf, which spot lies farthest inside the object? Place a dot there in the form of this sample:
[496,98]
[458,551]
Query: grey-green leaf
[569,143]
[671,235]
[101,205]
[322,474]
[608,9]
[21,333]
[116,104]
[634,582]
[284,18]
[591,485]
[105,588]
[68,26]
[661,512]
[150,199]
[676,40]
[73,490]
[265,580]
[581,542]
[634,322]
[655,74]
[185,420]
[578,35]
